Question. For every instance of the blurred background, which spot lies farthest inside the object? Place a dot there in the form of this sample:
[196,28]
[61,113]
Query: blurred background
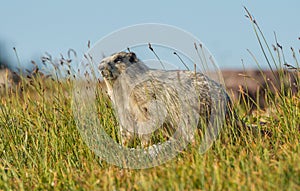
[35,27]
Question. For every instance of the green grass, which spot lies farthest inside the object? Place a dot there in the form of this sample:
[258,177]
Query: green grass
[41,149]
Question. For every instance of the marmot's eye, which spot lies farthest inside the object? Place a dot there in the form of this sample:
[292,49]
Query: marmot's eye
[118,59]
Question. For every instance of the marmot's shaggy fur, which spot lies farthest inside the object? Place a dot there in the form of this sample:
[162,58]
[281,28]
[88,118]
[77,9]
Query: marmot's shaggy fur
[133,88]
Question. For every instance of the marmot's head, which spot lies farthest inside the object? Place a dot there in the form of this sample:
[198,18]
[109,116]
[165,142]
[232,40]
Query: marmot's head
[112,66]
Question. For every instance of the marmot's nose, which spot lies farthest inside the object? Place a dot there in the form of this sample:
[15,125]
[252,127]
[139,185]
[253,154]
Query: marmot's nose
[101,66]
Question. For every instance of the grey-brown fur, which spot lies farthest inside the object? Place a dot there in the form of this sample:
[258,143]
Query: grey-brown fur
[208,92]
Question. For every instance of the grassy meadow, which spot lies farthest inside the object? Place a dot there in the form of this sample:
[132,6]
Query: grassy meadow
[42,149]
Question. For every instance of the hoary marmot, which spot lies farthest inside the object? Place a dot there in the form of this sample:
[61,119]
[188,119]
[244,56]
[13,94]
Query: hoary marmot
[146,98]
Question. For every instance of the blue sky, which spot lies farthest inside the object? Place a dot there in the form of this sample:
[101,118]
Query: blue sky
[35,27]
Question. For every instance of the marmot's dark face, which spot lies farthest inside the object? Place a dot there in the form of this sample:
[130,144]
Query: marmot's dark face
[111,67]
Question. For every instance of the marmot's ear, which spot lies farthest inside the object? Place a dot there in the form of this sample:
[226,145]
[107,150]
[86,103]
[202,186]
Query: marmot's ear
[132,57]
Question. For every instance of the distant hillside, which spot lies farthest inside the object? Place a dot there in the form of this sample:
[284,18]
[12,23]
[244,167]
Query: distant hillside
[252,82]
